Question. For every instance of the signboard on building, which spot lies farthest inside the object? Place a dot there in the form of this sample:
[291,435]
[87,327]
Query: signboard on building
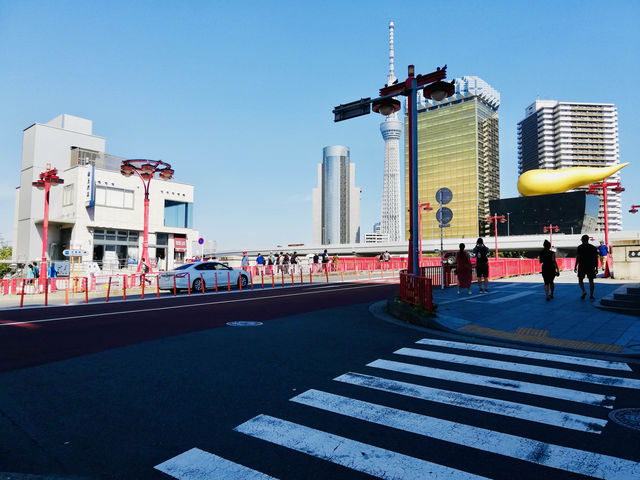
[76,252]
[180,244]
[90,190]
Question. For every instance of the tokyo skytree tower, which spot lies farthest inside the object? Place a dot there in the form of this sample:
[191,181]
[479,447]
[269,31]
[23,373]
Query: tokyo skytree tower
[391,129]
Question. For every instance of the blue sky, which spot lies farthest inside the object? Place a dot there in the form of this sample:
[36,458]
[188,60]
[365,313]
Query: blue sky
[237,96]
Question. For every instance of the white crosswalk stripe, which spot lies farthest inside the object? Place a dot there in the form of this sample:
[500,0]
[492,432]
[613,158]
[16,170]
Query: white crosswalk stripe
[196,464]
[473,347]
[387,464]
[568,459]
[523,368]
[475,402]
[605,401]
[358,456]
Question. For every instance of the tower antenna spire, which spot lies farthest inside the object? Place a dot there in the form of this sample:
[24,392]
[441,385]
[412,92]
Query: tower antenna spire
[391,78]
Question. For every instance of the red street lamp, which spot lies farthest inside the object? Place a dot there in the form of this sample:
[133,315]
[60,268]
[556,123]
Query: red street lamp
[433,87]
[593,189]
[634,208]
[47,178]
[423,206]
[551,228]
[146,169]
[495,219]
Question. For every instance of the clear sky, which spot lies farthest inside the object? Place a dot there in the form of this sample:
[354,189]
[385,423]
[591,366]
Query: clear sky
[237,96]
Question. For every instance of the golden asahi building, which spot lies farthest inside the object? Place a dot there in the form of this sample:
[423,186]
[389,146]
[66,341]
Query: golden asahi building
[458,149]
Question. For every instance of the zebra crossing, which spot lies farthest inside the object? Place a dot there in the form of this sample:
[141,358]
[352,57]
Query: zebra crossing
[597,398]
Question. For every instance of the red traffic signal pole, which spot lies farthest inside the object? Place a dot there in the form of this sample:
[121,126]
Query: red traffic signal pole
[495,219]
[551,228]
[47,178]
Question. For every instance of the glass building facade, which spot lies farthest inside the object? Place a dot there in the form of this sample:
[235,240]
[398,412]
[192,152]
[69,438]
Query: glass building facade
[457,149]
[335,195]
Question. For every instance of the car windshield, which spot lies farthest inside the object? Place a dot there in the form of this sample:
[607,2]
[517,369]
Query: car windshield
[183,267]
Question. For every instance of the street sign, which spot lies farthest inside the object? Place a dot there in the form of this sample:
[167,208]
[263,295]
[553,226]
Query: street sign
[444,215]
[200,241]
[74,252]
[352,110]
[444,196]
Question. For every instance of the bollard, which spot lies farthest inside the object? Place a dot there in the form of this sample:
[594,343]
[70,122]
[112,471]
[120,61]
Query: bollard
[158,285]
[46,291]
[142,283]
[202,284]
[356,273]
[292,282]
[228,281]
[381,272]
[216,282]
[273,281]
[311,275]
[369,270]
[124,287]
[326,272]
[301,278]
[22,294]
[239,281]
[108,289]
[251,276]
[342,275]
[66,293]
[174,285]
[282,275]
[188,284]
[262,278]
[86,290]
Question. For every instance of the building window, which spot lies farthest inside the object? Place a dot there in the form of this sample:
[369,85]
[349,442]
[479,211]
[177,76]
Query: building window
[67,195]
[114,197]
[178,214]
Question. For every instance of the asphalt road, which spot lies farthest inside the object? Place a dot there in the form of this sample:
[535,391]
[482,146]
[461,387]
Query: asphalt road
[124,391]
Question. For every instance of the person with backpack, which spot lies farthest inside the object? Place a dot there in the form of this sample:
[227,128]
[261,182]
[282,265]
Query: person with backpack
[481,252]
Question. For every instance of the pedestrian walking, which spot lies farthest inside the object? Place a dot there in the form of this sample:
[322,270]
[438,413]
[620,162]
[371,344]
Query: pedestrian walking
[586,265]
[145,270]
[550,268]
[463,269]
[334,262]
[481,252]
[285,262]
[260,259]
[316,259]
[603,251]
[294,262]
[244,263]
[325,260]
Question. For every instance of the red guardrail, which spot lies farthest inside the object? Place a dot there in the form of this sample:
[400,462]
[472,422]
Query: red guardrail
[416,290]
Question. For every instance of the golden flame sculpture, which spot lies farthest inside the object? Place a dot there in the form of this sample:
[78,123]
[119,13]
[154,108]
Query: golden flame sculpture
[542,182]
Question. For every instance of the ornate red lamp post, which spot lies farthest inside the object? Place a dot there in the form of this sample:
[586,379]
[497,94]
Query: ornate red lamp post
[603,186]
[47,178]
[551,228]
[495,219]
[146,170]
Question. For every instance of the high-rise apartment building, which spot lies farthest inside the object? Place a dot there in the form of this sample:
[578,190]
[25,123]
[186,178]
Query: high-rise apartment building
[458,149]
[568,134]
[336,200]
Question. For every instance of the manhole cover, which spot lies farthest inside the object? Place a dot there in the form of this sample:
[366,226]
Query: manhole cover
[244,324]
[627,417]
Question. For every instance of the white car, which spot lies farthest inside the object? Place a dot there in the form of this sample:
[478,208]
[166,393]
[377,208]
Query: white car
[199,272]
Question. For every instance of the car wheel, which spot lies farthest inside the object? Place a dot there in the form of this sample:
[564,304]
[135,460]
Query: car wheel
[198,284]
[451,260]
[243,281]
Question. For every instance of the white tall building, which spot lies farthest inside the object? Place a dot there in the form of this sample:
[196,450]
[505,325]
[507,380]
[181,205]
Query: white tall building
[569,134]
[336,200]
[391,216]
[96,209]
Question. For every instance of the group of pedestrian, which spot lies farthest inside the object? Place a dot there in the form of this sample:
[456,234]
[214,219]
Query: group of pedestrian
[586,266]
[464,267]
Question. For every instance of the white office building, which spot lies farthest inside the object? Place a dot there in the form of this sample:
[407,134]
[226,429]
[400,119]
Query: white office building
[336,200]
[96,210]
[569,134]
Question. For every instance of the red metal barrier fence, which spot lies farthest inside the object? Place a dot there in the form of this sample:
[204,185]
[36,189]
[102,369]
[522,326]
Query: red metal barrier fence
[416,290]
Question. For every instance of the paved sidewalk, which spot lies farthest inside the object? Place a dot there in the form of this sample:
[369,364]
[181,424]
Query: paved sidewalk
[516,309]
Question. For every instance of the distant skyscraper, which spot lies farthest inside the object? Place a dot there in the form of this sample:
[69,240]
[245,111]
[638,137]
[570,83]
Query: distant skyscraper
[391,129]
[567,134]
[458,149]
[336,200]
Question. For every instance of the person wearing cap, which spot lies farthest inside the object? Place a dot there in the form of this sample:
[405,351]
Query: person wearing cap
[245,260]
[603,251]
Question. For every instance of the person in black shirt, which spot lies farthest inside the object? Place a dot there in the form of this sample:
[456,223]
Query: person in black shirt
[481,252]
[549,269]
[586,265]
